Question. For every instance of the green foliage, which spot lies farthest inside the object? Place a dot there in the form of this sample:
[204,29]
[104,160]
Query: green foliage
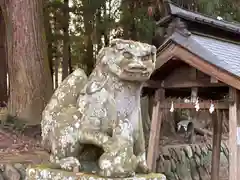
[227,9]
[89,20]
[145,25]
[13,124]
[135,21]
[94,22]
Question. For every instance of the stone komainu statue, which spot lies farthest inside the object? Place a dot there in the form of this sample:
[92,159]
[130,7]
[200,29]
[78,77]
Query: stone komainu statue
[99,118]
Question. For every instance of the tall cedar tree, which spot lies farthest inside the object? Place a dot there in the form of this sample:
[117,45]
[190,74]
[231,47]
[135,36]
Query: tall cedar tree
[29,72]
[66,41]
[88,17]
[49,35]
[3,63]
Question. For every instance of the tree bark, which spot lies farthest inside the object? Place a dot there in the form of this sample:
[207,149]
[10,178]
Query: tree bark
[56,66]
[3,63]
[88,17]
[66,41]
[70,60]
[49,36]
[29,73]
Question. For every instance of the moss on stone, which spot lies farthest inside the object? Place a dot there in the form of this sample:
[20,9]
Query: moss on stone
[44,172]
[46,166]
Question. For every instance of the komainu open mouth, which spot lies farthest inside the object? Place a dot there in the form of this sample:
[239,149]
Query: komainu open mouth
[137,72]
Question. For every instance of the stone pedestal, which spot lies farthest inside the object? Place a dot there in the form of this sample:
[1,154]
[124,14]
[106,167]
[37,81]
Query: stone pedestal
[44,173]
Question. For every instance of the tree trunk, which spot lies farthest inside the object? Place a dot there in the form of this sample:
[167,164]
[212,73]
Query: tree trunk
[29,72]
[133,33]
[70,60]
[3,63]
[66,41]
[56,66]
[98,31]
[88,26]
[49,36]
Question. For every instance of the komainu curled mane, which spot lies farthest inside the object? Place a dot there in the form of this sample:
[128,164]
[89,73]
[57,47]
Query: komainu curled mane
[102,110]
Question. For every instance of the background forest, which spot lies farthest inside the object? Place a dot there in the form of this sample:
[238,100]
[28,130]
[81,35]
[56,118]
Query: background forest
[74,31]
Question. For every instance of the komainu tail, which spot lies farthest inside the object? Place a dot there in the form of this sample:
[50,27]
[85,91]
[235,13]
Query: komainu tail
[66,94]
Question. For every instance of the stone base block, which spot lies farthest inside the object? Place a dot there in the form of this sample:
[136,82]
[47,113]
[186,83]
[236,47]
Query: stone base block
[44,173]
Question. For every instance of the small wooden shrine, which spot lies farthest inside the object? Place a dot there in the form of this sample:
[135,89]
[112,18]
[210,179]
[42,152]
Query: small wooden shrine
[198,57]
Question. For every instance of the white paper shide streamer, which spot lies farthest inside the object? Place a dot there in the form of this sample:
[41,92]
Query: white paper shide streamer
[212,108]
[172,108]
[197,106]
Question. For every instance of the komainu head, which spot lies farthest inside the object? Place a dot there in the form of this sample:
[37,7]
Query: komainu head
[127,59]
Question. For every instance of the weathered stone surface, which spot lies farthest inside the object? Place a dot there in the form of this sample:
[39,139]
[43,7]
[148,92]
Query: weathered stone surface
[226,152]
[173,165]
[183,171]
[188,151]
[197,160]
[183,158]
[224,158]
[40,173]
[207,160]
[209,146]
[11,173]
[166,153]
[193,168]
[173,154]
[167,166]
[171,175]
[204,149]
[1,177]
[103,110]
[198,150]
[190,162]
[203,173]
[21,169]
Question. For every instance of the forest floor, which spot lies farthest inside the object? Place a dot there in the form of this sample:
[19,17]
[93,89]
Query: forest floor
[20,143]
[23,146]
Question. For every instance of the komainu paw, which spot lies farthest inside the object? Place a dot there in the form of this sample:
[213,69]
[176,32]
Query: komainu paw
[70,164]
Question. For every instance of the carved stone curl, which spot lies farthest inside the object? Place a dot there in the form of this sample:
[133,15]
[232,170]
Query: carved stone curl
[98,118]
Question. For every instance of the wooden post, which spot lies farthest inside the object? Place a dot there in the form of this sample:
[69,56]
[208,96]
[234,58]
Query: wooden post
[217,132]
[157,115]
[234,149]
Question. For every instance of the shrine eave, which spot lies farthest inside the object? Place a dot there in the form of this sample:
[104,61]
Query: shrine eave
[175,11]
[217,58]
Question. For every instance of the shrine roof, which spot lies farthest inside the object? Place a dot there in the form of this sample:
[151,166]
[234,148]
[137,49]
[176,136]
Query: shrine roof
[174,10]
[215,43]
[227,54]
[221,53]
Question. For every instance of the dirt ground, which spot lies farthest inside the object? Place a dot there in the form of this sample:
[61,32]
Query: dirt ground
[22,147]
